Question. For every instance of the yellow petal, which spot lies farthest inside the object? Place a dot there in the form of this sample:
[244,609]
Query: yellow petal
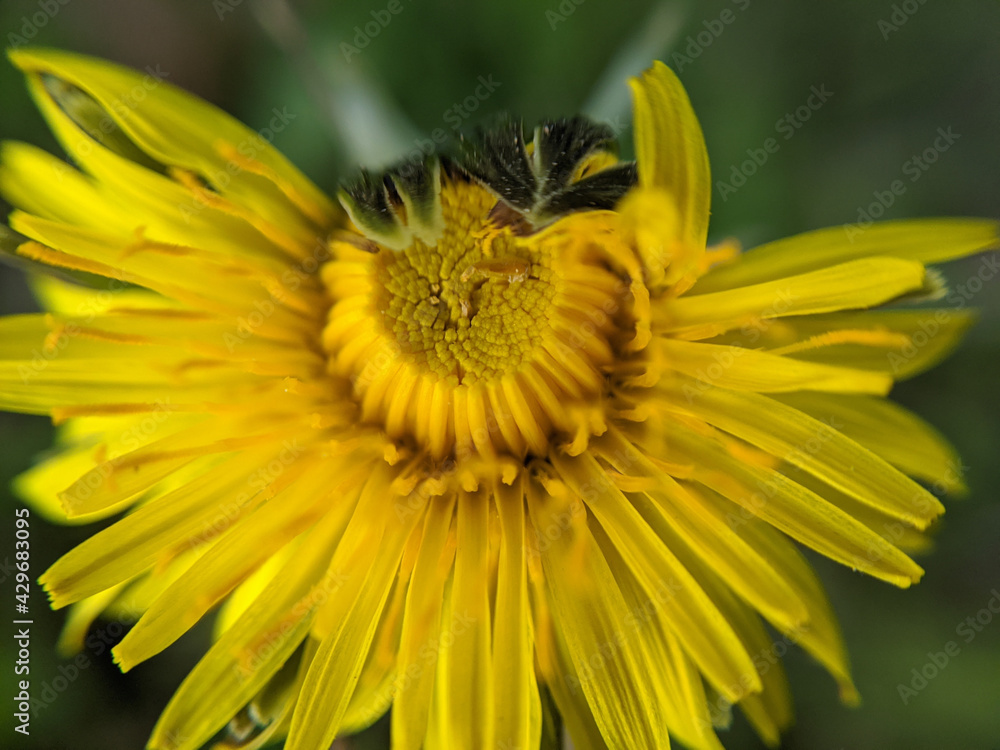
[907,537]
[692,617]
[245,594]
[589,613]
[562,682]
[900,343]
[81,616]
[925,241]
[751,370]
[352,616]
[819,448]
[890,431]
[176,128]
[133,544]
[271,708]
[207,280]
[377,683]
[467,715]
[677,682]
[418,652]
[240,551]
[63,298]
[518,709]
[118,480]
[822,638]
[70,196]
[792,509]
[174,207]
[856,284]
[670,149]
[705,532]
[772,704]
[240,663]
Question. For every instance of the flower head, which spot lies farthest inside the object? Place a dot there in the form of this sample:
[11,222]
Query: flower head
[500,433]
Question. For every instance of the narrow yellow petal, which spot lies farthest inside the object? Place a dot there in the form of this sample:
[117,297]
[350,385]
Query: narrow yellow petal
[468,712]
[890,431]
[925,241]
[822,638]
[562,682]
[377,684]
[70,196]
[818,447]
[773,699]
[752,370]
[693,618]
[677,682]
[133,544]
[333,674]
[439,736]
[770,710]
[271,708]
[418,652]
[246,546]
[670,149]
[177,128]
[119,480]
[518,711]
[589,612]
[907,537]
[81,616]
[793,509]
[259,643]
[175,206]
[856,284]
[901,343]
[705,532]
[207,280]
[247,592]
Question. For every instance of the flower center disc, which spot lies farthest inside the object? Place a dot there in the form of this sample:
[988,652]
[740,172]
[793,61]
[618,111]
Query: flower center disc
[483,340]
[468,307]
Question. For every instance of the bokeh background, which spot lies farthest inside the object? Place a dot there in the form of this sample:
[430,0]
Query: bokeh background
[897,72]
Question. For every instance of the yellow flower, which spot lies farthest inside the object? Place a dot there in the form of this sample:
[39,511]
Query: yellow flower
[499,439]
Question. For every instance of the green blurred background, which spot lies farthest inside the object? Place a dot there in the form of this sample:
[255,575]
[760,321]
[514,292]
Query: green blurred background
[892,87]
